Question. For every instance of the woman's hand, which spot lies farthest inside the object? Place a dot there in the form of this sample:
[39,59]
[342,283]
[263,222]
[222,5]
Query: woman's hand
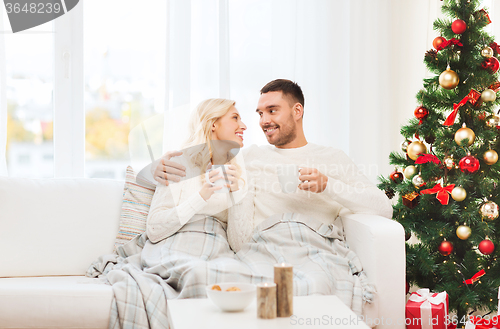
[232,176]
[207,190]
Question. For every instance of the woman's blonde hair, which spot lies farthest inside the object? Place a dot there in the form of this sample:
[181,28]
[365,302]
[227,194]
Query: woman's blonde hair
[200,132]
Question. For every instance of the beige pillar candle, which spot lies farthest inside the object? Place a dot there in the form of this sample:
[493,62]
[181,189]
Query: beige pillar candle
[266,300]
[283,277]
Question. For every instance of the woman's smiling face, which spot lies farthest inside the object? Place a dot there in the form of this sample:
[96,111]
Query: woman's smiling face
[229,127]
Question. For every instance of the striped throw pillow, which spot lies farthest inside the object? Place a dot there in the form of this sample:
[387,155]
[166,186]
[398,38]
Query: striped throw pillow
[137,199]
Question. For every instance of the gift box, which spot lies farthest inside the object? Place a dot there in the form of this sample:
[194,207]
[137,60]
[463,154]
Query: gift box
[426,310]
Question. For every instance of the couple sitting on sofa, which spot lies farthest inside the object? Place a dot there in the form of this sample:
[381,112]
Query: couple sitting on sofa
[193,231]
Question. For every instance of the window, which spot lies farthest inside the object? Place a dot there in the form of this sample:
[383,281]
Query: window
[29,90]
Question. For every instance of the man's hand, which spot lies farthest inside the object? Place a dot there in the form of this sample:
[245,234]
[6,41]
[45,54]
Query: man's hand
[168,170]
[316,181]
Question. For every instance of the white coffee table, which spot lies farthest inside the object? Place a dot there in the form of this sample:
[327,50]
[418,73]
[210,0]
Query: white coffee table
[309,312]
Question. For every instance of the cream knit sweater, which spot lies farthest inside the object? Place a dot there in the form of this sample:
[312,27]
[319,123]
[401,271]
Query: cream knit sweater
[347,189]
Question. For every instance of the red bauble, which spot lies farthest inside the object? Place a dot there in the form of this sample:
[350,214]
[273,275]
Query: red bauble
[421,113]
[458,26]
[397,177]
[437,42]
[491,64]
[469,164]
[446,248]
[486,247]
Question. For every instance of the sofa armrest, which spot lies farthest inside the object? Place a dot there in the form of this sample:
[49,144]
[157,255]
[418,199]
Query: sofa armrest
[380,245]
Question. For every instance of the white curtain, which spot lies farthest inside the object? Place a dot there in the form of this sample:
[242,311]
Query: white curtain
[230,48]
[3,101]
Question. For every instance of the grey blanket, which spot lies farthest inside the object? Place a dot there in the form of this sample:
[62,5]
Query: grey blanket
[144,275]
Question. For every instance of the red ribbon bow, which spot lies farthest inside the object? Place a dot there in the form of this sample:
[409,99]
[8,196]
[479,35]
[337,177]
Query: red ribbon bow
[447,43]
[443,193]
[473,96]
[424,158]
[495,47]
[475,277]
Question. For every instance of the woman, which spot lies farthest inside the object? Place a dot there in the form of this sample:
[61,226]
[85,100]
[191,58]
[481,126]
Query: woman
[215,130]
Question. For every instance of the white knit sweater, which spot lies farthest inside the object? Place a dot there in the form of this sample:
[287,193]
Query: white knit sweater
[347,189]
[178,203]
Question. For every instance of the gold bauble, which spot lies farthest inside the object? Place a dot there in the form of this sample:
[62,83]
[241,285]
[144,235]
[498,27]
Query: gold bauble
[458,193]
[448,79]
[487,52]
[490,157]
[449,163]
[416,148]
[488,95]
[464,133]
[463,232]
[493,121]
[489,210]
[410,171]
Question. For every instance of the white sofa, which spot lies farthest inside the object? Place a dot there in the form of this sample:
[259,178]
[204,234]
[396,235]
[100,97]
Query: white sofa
[52,229]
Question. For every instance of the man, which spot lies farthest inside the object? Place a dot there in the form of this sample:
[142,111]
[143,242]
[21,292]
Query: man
[330,182]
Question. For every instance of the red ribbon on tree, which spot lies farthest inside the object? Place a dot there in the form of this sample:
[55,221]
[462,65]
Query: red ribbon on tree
[424,158]
[447,43]
[443,193]
[473,97]
[475,277]
[495,47]
[495,87]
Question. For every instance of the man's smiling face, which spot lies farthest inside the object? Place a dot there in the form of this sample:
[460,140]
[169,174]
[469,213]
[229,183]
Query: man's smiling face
[276,118]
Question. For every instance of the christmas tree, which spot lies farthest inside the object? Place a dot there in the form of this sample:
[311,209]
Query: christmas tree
[446,179]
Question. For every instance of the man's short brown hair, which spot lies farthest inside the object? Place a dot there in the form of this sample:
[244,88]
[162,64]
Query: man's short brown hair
[290,89]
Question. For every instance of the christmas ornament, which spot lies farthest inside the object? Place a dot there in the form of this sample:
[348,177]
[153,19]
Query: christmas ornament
[407,235]
[449,163]
[458,26]
[442,193]
[425,158]
[437,42]
[449,79]
[446,248]
[486,247]
[491,64]
[421,113]
[411,199]
[410,171]
[487,52]
[469,164]
[488,95]
[404,145]
[389,193]
[418,181]
[458,194]
[495,47]
[482,16]
[490,157]
[465,133]
[431,54]
[463,232]
[396,177]
[416,148]
[475,278]
[493,121]
[489,210]
[495,86]
[472,97]
[430,139]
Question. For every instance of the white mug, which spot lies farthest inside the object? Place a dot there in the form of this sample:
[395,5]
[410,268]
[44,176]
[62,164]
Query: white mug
[288,176]
[220,181]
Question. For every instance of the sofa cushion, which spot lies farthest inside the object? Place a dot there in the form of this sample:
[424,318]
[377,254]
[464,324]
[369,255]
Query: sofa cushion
[54,302]
[135,207]
[56,226]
